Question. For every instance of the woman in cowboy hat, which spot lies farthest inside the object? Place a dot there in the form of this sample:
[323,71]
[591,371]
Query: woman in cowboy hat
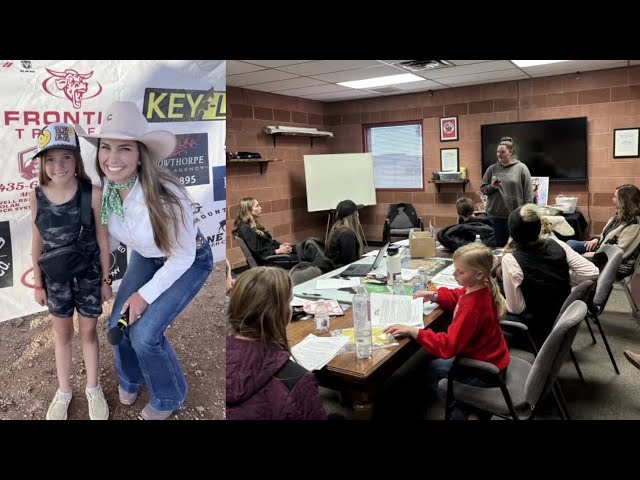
[146,208]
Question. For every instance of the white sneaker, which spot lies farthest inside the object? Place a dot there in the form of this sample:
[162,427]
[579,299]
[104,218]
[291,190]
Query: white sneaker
[58,407]
[98,408]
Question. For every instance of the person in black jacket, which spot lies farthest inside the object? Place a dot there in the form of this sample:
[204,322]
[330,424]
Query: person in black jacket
[465,209]
[345,243]
[256,237]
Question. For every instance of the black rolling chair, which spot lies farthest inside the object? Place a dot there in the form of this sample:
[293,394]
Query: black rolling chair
[401,219]
[280,260]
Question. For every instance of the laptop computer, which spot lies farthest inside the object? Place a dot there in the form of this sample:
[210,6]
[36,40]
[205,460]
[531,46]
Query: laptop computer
[362,269]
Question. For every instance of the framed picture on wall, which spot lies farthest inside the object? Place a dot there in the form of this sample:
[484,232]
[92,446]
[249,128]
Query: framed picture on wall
[625,142]
[448,129]
[449,159]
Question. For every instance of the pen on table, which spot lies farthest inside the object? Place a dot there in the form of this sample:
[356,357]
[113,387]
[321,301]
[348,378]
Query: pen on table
[311,294]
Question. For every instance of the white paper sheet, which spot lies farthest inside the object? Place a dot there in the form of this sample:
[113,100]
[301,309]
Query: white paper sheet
[390,309]
[297,302]
[314,352]
[335,283]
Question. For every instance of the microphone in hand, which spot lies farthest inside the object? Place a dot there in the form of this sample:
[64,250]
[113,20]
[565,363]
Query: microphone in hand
[116,333]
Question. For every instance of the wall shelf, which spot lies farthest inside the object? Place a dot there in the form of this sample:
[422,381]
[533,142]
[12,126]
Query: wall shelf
[450,182]
[301,132]
[262,161]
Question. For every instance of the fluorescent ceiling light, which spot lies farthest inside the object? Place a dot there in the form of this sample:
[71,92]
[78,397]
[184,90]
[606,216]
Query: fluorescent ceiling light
[533,63]
[380,81]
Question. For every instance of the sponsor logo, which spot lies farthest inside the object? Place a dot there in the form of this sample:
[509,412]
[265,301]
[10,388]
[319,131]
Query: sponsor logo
[27,165]
[26,64]
[219,183]
[190,159]
[172,105]
[6,256]
[72,85]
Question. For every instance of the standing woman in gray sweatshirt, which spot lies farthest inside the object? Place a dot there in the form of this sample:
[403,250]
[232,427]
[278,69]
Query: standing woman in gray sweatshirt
[507,185]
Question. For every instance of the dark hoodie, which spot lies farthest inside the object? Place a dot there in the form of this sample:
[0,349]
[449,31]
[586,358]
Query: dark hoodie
[257,391]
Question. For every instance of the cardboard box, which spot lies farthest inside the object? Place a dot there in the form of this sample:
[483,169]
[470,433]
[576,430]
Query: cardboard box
[422,244]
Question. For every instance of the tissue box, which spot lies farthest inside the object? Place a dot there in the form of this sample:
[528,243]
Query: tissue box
[572,203]
[422,244]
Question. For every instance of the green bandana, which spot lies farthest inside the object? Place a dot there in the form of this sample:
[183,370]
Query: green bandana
[111,201]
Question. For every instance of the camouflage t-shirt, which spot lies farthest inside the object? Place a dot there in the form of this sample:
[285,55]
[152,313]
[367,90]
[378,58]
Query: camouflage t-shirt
[59,225]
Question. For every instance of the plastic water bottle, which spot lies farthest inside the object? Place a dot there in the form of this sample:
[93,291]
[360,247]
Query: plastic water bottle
[362,323]
[478,240]
[321,314]
[420,281]
[398,286]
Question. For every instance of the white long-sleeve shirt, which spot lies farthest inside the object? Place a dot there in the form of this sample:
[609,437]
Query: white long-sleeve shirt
[580,269]
[136,233]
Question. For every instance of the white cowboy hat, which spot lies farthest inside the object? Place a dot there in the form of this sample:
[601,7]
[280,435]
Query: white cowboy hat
[123,121]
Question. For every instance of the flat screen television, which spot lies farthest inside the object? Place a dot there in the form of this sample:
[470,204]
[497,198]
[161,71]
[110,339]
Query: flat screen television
[550,148]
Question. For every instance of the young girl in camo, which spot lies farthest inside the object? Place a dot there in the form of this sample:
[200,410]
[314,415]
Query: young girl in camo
[55,210]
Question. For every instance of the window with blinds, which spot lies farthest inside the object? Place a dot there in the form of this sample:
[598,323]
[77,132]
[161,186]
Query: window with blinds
[397,155]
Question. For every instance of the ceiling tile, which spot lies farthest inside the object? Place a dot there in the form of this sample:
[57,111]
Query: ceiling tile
[235,67]
[359,74]
[262,76]
[346,95]
[572,67]
[502,76]
[328,66]
[286,84]
[275,63]
[324,88]
[448,72]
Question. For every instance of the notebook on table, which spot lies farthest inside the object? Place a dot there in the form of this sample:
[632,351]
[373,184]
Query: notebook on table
[362,269]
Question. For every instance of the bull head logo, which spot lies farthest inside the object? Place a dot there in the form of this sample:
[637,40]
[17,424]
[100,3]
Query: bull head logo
[72,84]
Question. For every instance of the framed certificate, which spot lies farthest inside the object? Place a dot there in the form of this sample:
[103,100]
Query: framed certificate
[449,159]
[625,142]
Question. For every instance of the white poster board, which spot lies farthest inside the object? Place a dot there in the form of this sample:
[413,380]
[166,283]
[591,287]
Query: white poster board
[186,97]
[333,178]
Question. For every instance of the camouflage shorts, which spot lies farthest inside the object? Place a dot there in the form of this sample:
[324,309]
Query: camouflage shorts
[82,293]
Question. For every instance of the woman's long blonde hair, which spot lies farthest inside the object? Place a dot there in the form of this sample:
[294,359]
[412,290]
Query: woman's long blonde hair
[260,306]
[245,217]
[165,210]
[480,259]
[350,222]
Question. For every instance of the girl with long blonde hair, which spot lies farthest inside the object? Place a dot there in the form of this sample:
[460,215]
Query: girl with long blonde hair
[475,330]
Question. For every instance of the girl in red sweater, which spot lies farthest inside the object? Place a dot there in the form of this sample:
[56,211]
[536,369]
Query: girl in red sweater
[475,330]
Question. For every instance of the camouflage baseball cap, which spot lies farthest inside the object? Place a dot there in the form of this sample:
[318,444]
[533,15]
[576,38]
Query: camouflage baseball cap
[57,135]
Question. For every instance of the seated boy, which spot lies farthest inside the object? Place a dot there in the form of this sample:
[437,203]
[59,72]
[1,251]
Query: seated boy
[465,209]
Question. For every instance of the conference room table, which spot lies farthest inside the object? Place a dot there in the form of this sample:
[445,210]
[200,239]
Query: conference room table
[359,379]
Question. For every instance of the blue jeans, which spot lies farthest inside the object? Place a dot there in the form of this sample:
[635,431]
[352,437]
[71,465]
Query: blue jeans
[145,356]
[577,246]
[437,369]
[501,230]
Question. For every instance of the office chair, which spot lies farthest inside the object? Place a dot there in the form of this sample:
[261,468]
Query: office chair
[518,396]
[280,260]
[401,219]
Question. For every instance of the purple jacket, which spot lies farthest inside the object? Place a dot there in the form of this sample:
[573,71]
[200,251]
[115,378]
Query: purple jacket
[254,392]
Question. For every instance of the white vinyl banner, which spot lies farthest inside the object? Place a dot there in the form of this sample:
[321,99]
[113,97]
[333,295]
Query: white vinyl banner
[186,97]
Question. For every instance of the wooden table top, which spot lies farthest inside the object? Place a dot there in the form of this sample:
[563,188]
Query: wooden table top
[347,365]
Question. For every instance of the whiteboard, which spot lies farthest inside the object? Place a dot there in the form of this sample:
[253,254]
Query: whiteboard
[333,178]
